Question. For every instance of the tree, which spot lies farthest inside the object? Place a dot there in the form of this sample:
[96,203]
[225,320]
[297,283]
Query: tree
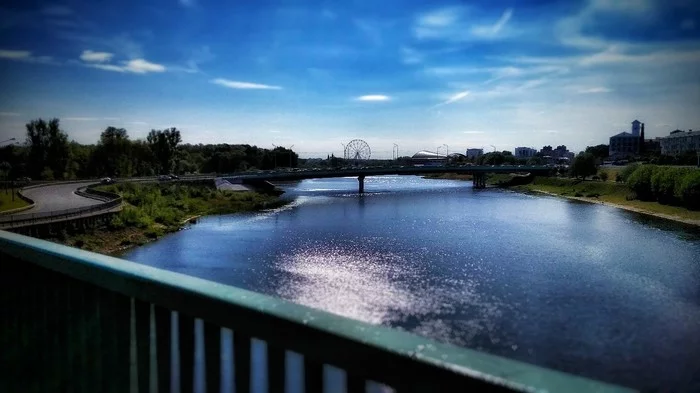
[583,165]
[689,190]
[112,156]
[163,144]
[598,151]
[603,175]
[48,148]
[640,182]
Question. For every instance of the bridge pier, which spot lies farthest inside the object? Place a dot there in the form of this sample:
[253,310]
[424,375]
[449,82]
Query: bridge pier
[361,181]
[479,180]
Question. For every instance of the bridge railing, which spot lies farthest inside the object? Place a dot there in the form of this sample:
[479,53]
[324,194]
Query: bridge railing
[71,317]
[21,219]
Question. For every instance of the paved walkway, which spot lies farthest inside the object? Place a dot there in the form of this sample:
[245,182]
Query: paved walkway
[58,197]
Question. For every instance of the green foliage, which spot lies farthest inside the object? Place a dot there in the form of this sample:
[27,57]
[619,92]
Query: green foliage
[625,173]
[640,182]
[689,190]
[584,165]
[163,144]
[598,151]
[603,175]
[48,147]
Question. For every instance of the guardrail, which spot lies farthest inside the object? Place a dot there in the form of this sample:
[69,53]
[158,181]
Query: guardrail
[24,219]
[68,314]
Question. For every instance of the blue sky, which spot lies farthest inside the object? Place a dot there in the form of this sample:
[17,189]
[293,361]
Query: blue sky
[315,74]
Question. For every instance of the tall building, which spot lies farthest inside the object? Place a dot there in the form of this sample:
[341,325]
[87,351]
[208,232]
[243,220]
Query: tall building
[626,144]
[474,153]
[525,152]
[679,142]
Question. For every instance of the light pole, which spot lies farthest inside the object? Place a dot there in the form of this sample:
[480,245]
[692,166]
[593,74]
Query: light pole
[437,152]
[448,149]
[395,148]
[345,151]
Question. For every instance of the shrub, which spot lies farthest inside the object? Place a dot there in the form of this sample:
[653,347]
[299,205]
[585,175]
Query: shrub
[603,175]
[625,173]
[689,190]
[640,182]
[132,216]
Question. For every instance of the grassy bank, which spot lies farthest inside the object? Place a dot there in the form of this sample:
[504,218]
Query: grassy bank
[153,210]
[617,194]
[7,202]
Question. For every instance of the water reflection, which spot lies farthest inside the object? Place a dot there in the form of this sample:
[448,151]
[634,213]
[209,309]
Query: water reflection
[582,288]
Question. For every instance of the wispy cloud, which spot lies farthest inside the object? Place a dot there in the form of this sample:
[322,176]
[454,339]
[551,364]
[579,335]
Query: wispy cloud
[99,57]
[410,56]
[493,30]
[80,118]
[137,123]
[440,18]
[188,3]
[472,132]
[135,66]
[370,29]
[15,54]
[243,85]
[25,56]
[373,97]
[594,90]
[453,98]
[9,114]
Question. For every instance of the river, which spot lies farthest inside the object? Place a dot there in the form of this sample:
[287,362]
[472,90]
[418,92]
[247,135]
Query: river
[587,289]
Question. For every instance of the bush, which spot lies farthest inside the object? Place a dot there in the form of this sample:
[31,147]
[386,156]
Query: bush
[603,175]
[625,173]
[136,217]
[640,182]
[689,190]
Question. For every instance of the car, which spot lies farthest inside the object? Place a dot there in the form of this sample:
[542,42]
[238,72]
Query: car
[163,177]
[106,180]
[173,177]
[25,179]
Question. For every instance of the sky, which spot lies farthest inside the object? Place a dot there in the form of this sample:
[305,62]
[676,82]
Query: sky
[317,74]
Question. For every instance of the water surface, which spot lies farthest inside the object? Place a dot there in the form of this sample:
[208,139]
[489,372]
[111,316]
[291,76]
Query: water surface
[582,288]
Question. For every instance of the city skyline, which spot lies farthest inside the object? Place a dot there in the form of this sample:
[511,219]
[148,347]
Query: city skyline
[318,74]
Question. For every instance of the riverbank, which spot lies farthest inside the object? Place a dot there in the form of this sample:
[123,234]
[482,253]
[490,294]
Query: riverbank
[154,210]
[448,176]
[610,194]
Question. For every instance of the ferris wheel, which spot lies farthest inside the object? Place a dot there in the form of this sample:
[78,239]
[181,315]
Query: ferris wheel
[357,150]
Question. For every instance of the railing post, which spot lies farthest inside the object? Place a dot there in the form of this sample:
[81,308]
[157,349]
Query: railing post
[186,345]
[212,357]
[313,376]
[241,362]
[276,368]
[163,347]
[142,311]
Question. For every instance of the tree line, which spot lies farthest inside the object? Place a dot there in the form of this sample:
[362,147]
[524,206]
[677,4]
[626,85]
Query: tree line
[49,154]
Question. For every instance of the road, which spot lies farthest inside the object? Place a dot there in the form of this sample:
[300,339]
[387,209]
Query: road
[58,197]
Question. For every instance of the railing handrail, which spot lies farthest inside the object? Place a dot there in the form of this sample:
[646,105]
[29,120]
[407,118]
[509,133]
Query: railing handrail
[23,218]
[375,352]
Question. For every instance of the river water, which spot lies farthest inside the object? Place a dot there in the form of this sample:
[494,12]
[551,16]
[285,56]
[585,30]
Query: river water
[582,288]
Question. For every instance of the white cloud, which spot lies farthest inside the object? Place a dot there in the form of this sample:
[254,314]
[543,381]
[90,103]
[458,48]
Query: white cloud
[141,66]
[440,18]
[593,90]
[453,98]
[373,97]
[243,85]
[493,30]
[15,54]
[99,57]
[410,56]
[136,66]
[688,24]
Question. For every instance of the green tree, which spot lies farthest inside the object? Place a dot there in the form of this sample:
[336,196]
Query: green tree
[689,190]
[112,155]
[598,151]
[48,148]
[603,175]
[163,144]
[584,165]
[640,182]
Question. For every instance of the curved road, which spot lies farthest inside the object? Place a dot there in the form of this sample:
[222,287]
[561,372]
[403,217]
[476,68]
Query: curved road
[58,197]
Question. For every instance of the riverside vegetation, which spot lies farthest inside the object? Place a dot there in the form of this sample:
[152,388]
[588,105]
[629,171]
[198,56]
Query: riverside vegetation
[152,210]
[668,192]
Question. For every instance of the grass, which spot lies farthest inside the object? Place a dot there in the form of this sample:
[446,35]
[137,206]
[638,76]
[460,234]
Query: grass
[153,210]
[6,202]
[610,192]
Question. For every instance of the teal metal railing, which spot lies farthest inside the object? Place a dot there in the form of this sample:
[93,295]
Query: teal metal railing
[67,318]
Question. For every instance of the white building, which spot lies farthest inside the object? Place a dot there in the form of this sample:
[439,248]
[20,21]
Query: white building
[525,152]
[474,153]
[679,142]
[627,144]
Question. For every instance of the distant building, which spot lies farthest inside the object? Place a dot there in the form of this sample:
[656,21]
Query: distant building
[474,153]
[428,158]
[626,144]
[679,142]
[560,155]
[525,152]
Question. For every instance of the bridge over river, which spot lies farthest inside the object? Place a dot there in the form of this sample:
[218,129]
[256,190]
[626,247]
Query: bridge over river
[478,172]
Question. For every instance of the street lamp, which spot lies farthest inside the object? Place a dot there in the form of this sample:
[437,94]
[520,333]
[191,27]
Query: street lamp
[395,148]
[437,152]
[448,149]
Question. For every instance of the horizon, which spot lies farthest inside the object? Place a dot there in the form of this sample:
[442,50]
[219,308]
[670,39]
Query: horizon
[317,74]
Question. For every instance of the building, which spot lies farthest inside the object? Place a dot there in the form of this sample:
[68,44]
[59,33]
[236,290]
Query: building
[560,155]
[428,158]
[474,153]
[679,142]
[627,144]
[525,152]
